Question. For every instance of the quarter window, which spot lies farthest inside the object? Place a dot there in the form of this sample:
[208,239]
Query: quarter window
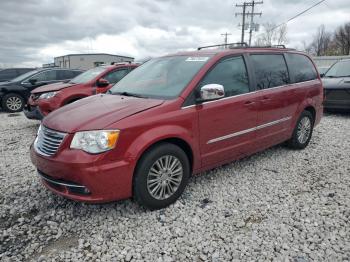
[301,68]
[270,71]
[232,74]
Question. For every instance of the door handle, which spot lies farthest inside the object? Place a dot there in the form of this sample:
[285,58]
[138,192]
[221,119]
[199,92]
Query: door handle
[265,99]
[249,103]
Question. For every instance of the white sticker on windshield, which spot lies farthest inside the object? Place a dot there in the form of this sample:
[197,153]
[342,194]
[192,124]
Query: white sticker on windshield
[197,59]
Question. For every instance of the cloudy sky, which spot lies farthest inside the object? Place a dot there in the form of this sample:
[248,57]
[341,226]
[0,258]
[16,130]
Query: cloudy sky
[34,31]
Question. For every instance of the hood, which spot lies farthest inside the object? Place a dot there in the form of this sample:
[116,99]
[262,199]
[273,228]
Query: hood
[96,112]
[336,83]
[52,87]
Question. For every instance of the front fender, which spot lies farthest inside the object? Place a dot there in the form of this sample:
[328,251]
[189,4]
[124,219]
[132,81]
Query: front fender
[157,134]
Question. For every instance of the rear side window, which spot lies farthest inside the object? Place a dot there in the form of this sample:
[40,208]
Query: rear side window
[270,70]
[50,75]
[66,74]
[8,73]
[301,68]
[232,74]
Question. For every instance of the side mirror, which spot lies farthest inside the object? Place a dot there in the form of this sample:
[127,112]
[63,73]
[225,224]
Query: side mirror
[33,81]
[211,92]
[322,75]
[102,83]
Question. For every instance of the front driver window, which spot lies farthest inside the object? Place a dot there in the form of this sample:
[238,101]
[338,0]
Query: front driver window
[115,76]
[232,74]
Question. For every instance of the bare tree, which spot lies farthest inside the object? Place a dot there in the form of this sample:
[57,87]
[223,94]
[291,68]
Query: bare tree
[321,41]
[272,35]
[281,35]
[342,39]
[306,47]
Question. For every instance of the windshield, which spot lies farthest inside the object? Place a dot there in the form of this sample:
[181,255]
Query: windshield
[88,75]
[339,69]
[24,76]
[163,77]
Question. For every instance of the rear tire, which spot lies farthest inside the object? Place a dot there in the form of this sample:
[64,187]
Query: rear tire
[12,103]
[161,176]
[302,132]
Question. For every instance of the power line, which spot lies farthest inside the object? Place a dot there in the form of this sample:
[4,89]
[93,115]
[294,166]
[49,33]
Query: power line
[301,13]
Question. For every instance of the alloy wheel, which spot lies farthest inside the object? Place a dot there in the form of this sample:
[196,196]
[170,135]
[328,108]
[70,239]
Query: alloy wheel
[304,130]
[164,177]
[14,103]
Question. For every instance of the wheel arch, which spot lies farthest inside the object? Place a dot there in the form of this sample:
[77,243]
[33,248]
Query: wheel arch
[312,110]
[181,143]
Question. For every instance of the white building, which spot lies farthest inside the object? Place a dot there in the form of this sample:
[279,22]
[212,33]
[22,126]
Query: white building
[87,61]
[327,61]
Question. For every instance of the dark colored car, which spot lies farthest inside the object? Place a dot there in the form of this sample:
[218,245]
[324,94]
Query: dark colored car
[336,84]
[11,73]
[46,99]
[175,116]
[14,93]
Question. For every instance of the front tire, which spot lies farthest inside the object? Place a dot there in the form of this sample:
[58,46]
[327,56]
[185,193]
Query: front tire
[12,103]
[302,132]
[161,176]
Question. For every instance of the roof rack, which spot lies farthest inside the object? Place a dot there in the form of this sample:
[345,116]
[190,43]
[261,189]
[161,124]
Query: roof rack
[230,45]
[241,45]
[270,46]
[121,63]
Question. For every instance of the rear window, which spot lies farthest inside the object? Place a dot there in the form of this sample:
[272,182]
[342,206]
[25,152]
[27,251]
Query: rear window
[301,68]
[270,70]
[8,73]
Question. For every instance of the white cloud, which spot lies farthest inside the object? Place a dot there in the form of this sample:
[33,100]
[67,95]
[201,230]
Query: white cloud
[34,31]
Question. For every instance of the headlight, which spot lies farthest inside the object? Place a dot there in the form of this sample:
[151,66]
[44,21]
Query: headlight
[47,95]
[95,141]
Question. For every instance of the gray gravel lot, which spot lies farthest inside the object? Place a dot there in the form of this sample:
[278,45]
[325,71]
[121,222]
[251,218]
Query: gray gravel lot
[276,205]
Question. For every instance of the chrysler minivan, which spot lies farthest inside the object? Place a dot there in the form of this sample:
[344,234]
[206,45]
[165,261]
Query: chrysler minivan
[175,116]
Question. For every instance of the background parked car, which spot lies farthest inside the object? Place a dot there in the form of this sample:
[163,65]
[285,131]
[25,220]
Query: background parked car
[11,73]
[336,84]
[14,93]
[322,69]
[46,99]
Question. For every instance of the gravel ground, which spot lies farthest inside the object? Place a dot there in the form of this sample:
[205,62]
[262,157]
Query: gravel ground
[276,205]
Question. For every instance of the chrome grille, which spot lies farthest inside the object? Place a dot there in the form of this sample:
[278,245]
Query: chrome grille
[48,141]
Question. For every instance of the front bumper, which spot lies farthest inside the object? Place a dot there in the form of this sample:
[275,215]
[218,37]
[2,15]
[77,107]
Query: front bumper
[337,98]
[337,104]
[32,112]
[77,175]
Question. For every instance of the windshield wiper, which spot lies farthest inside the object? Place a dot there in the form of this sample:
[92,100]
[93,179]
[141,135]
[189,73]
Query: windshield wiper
[129,94]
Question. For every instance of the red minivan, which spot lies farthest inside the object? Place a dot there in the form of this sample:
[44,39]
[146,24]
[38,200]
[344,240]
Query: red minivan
[175,116]
[46,99]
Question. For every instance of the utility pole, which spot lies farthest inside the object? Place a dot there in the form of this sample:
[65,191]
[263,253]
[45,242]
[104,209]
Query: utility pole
[251,14]
[226,38]
[243,14]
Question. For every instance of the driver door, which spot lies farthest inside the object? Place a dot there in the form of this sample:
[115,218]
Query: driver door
[227,126]
[42,78]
